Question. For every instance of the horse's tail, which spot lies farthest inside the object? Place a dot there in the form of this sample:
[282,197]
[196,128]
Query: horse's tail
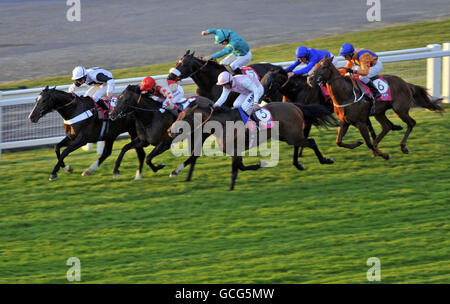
[318,115]
[423,99]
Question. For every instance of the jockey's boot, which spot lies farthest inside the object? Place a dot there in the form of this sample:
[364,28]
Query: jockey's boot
[101,103]
[237,71]
[376,94]
[255,119]
[229,69]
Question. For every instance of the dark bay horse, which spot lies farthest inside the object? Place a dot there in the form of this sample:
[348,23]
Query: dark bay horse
[151,126]
[351,111]
[205,73]
[291,121]
[87,130]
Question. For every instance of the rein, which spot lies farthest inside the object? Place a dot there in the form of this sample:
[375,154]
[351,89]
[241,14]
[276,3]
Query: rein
[67,104]
[201,68]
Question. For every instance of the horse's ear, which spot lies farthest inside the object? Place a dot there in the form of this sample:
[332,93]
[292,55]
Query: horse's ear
[54,88]
[187,52]
[46,88]
[193,53]
[326,57]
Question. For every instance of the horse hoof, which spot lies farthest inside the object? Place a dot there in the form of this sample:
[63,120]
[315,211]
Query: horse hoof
[138,175]
[405,150]
[116,174]
[68,169]
[359,142]
[173,174]
[328,161]
[52,177]
[300,167]
[385,156]
[160,166]
[86,173]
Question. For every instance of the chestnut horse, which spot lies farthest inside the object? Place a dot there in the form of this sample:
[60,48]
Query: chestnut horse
[352,109]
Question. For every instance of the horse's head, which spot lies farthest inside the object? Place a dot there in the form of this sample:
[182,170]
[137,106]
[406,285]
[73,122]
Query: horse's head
[185,66]
[129,97]
[45,103]
[272,82]
[324,71]
[193,117]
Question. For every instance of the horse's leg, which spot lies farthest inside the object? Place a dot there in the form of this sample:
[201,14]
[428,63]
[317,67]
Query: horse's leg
[371,130]
[141,156]
[410,122]
[63,143]
[234,170]
[243,167]
[311,143]
[135,143]
[160,148]
[106,152]
[295,159]
[77,143]
[306,132]
[362,127]
[385,124]
[341,133]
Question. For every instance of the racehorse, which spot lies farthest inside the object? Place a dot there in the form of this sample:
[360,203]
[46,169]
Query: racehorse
[151,126]
[205,73]
[350,111]
[291,122]
[82,125]
[297,89]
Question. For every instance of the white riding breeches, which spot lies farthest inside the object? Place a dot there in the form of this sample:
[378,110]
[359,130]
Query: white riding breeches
[373,71]
[237,61]
[246,102]
[96,92]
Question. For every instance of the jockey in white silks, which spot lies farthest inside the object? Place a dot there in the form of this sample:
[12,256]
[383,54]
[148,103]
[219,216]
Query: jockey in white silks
[248,86]
[101,83]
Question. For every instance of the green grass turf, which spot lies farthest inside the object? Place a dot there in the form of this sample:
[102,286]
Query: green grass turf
[280,225]
[389,38]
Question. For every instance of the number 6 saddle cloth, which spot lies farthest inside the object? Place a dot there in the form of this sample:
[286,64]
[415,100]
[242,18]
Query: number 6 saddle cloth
[265,119]
[382,86]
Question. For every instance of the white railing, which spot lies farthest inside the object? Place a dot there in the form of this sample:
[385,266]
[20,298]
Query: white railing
[438,83]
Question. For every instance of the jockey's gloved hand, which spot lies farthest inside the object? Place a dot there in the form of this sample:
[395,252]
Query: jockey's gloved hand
[162,110]
[350,71]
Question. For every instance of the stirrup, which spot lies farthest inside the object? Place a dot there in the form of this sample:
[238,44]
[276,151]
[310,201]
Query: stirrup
[229,69]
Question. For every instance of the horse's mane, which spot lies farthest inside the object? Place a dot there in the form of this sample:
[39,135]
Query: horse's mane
[133,88]
[206,104]
[59,93]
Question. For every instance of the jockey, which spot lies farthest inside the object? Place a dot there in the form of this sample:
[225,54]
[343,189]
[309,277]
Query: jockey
[309,56]
[234,44]
[248,86]
[169,93]
[101,83]
[367,61]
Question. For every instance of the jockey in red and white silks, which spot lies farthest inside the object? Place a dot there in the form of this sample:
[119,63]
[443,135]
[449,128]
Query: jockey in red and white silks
[169,93]
[248,86]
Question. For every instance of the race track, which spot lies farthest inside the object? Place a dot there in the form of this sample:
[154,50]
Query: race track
[36,40]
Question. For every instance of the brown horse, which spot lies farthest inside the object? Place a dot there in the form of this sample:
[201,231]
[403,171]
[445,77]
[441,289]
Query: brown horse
[291,121]
[353,109]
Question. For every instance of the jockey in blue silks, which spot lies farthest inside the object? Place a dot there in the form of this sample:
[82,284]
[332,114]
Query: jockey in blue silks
[310,57]
[237,48]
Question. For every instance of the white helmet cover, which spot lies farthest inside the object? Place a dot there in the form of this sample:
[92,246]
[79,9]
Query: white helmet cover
[78,72]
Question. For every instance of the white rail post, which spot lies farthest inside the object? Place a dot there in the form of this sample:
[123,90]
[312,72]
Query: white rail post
[434,72]
[1,130]
[446,74]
